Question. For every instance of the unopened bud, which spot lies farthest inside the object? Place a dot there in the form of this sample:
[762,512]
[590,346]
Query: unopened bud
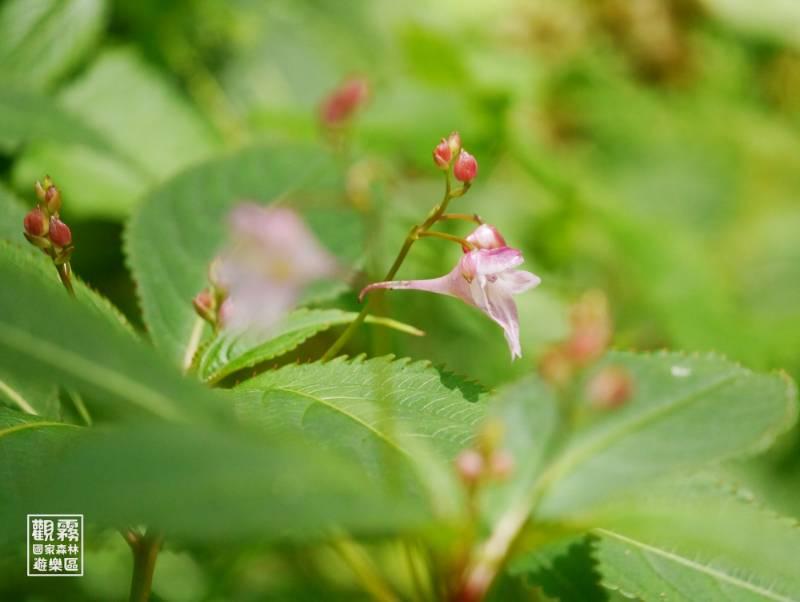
[204,305]
[52,198]
[609,388]
[343,101]
[35,222]
[442,154]
[60,234]
[466,167]
[501,464]
[470,465]
[454,142]
[486,237]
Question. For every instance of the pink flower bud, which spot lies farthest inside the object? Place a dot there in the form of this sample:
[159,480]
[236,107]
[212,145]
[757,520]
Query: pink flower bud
[609,388]
[486,237]
[466,167]
[470,466]
[502,464]
[60,234]
[35,222]
[52,198]
[442,154]
[454,142]
[204,305]
[343,101]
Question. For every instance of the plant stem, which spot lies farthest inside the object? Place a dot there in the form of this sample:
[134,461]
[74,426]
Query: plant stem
[355,557]
[145,551]
[467,217]
[193,344]
[412,236]
[445,236]
[65,274]
[17,398]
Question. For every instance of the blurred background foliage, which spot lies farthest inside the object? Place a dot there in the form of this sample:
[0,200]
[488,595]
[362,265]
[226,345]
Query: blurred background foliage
[650,149]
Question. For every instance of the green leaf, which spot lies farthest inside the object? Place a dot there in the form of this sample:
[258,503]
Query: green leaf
[387,399]
[162,135]
[685,413]
[12,214]
[181,226]
[47,336]
[697,543]
[30,396]
[269,486]
[230,352]
[41,40]
[28,116]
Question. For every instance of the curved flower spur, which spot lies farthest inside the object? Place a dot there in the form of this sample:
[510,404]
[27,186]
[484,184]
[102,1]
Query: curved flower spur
[486,277]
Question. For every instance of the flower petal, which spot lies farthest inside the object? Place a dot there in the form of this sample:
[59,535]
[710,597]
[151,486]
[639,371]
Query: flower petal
[452,284]
[494,261]
[503,310]
[519,281]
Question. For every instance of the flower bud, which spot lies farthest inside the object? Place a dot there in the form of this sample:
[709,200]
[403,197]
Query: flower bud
[591,328]
[344,101]
[60,234]
[442,154]
[609,388]
[205,305]
[52,199]
[486,237]
[466,167]
[501,464]
[470,465]
[35,222]
[454,142]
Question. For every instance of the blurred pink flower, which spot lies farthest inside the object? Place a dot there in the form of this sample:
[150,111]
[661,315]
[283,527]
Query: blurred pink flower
[486,278]
[272,257]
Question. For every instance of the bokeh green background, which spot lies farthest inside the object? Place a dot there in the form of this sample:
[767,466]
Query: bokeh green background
[650,149]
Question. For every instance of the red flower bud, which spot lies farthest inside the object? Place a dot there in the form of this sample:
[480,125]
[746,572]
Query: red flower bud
[502,464]
[609,388]
[52,198]
[454,142]
[35,222]
[466,167]
[343,101]
[470,465]
[204,305]
[442,154]
[60,234]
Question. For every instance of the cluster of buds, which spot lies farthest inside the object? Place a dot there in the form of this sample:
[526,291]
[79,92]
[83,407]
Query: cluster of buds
[44,229]
[344,101]
[210,302]
[465,167]
[590,335]
[487,460]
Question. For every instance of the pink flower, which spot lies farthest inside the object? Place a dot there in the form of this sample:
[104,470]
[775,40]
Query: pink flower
[273,256]
[486,278]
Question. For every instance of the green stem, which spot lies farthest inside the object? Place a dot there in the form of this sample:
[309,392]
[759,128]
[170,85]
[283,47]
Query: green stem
[65,274]
[412,237]
[466,217]
[145,552]
[450,237]
[358,561]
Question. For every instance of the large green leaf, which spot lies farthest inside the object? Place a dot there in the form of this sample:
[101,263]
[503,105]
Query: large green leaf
[685,412]
[41,40]
[47,336]
[684,545]
[387,399]
[162,134]
[209,484]
[181,226]
[230,352]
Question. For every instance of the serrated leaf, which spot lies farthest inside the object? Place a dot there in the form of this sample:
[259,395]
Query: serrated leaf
[685,413]
[687,543]
[48,336]
[230,352]
[181,226]
[270,486]
[386,398]
[40,40]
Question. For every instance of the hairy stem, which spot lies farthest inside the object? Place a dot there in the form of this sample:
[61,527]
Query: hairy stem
[413,235]
[145,552]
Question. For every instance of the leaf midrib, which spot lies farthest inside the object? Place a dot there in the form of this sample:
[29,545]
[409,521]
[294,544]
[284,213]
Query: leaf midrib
[702,568]
[30,425]
[345,413]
